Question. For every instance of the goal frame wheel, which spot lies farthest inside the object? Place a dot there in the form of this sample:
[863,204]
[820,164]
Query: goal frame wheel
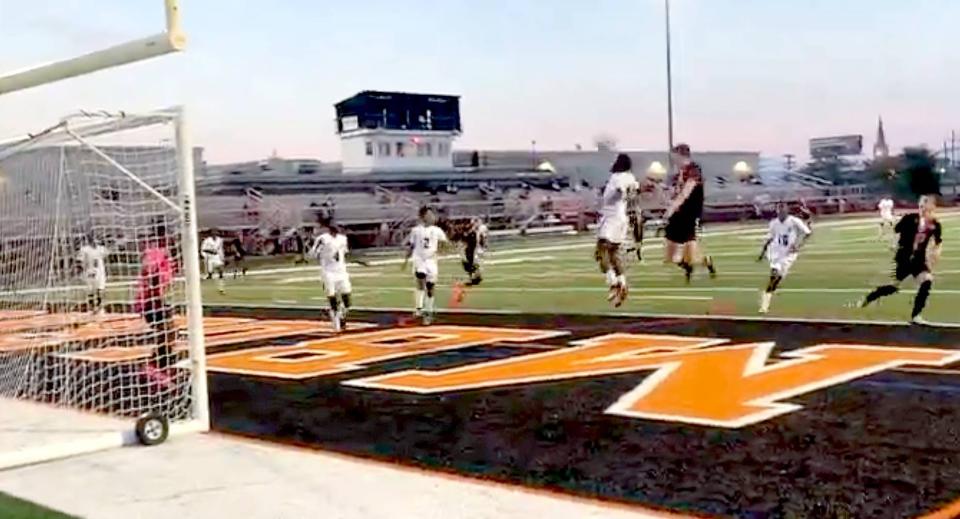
[152,429]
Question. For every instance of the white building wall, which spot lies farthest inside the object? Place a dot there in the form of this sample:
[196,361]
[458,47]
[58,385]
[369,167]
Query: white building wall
[396,151]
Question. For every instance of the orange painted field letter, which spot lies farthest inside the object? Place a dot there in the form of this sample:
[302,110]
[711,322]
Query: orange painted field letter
[343,353]
[693,381]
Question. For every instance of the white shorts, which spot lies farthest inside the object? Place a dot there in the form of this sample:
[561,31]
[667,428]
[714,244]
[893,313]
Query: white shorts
[886,219]
[781,261]
[214,264]
[95,281]
[613,229]
[336,283]
[428,268]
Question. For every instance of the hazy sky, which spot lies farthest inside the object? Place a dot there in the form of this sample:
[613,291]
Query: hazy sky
[749,74]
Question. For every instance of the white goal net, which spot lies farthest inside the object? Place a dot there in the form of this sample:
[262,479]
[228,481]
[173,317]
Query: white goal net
[94,215]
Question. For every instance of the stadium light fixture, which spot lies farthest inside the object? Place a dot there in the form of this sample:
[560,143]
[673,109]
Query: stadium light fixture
[656,170]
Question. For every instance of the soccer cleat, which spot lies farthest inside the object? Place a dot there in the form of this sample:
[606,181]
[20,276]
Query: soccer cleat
[622,292]
[919,321]
[711,268]
[427,318]
[612,292]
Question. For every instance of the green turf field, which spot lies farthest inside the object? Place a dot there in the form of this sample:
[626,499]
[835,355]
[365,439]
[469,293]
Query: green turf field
[842,261]
[13,508]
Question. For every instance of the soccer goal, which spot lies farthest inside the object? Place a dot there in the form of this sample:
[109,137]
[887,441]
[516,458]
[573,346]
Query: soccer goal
[101,327]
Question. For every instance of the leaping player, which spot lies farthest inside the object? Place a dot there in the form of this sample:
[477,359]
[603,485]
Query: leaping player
[787,235]
[683,216]
[212,249]
[330,249]
[621,187]
[886,219]
[422,245]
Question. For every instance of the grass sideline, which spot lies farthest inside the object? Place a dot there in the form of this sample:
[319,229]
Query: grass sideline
[13,508]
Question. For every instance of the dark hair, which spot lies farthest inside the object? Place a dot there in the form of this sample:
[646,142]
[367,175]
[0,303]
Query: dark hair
[622,164]
[422,213]
[682,149]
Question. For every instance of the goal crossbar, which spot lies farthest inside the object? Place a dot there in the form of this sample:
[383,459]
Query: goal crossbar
[166,42]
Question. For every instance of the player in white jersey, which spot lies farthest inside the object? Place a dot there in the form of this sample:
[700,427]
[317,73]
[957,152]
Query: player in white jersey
[887,218]
[331,249]
[787,235]
[615,223]
[423,244]
[212,250]
[93,264]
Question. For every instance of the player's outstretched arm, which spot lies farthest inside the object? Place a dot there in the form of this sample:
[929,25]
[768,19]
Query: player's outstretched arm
[763,251]
[315,248]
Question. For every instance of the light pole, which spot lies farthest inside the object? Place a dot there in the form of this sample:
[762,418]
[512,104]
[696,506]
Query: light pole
[666,5]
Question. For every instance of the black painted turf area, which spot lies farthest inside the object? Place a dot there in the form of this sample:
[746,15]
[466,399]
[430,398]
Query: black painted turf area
[883,446]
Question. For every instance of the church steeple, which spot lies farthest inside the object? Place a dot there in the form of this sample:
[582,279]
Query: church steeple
[880,149]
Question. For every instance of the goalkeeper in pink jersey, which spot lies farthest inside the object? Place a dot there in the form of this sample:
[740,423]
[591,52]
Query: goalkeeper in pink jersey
[156,275]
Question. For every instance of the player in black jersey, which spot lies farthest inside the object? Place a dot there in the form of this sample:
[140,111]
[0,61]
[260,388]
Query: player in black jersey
[475,243]
[918,250]
[683,216]
[474,239]
[238,257]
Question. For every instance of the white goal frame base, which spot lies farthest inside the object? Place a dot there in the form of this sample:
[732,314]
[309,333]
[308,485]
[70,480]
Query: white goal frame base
[32,433]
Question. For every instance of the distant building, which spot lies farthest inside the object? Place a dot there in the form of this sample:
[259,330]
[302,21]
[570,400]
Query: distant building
[396,131]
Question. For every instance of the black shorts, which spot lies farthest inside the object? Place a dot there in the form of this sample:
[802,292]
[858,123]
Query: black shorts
[681,229]
[905,269]
[158,315]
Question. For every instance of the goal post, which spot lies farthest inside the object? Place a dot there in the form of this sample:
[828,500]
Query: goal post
[82,353]
[100,303]
[172,39]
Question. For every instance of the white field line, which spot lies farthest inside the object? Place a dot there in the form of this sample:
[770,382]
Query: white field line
[637,315]
[702,290]
[307,279]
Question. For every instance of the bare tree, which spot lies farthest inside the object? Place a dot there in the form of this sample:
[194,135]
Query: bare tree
[605,142]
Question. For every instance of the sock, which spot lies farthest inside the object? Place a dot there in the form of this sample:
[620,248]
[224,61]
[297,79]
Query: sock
[708,262]
[921,299]
[346,300]
[687,268]
[879,292]
[622,280]
[611,278]
[99,300]
[418,299]
[429,304]
[765,299]
[334,304]
[220,283]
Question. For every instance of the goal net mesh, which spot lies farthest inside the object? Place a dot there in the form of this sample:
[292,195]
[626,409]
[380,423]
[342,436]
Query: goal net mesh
[92,294]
